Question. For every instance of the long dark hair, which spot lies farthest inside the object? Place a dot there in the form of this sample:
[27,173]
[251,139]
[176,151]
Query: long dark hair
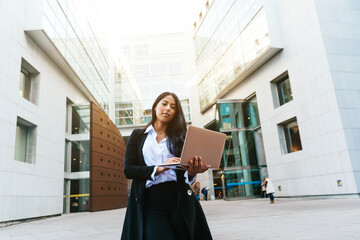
[176,130]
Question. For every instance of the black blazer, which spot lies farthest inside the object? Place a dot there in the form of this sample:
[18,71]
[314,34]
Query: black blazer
[136,169]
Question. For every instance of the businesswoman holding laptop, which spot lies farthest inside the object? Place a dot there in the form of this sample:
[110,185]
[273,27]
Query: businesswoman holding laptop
[161,204]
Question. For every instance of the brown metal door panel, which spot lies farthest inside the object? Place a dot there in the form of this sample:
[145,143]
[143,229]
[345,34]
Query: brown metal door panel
[108,184]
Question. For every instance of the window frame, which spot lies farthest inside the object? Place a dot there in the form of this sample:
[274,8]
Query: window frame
[286,138]
[30,81]
[31,139]
[275,86]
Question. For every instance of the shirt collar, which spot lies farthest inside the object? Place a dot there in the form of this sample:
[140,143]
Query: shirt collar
[149,128]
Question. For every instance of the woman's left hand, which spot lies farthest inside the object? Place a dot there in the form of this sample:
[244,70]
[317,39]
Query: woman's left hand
[196,166]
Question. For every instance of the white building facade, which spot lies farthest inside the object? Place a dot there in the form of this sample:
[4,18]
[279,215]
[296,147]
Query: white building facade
[45,69]
[298,63]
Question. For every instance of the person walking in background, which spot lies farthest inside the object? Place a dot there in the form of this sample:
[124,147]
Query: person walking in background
[263,187]
[196,189]
[204,191]
[270,189]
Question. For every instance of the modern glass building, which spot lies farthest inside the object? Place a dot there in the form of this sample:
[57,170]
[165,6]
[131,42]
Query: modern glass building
[156,63]
[74,29]
[229,40]
[128,106]
[278,77]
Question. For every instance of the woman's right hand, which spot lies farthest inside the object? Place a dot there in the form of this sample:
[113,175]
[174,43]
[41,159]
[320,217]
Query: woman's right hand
[164,169]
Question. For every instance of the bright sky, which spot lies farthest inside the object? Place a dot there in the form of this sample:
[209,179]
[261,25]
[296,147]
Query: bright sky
[133,17]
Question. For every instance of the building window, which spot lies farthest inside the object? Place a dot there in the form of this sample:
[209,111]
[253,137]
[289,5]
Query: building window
[186,109]
[28,85]
[80,119]
[80,158]
[25,84]
[290,136]
[25,141]
[282,90]
[238,114]
[124,113]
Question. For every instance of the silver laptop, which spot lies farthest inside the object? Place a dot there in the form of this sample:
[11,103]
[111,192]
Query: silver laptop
[201,142]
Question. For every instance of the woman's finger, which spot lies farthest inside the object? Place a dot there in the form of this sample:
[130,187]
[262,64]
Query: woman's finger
[200,163]
[206,167]
[196,162]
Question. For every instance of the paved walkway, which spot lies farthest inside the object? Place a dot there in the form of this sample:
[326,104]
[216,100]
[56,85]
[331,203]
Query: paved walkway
[287,219]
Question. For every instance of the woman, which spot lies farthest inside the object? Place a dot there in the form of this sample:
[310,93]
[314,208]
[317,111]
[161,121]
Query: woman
[263,188]
[270,189]
[161,204]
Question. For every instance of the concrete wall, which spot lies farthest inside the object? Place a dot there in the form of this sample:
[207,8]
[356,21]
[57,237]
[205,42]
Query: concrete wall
[31,190]
[339,23]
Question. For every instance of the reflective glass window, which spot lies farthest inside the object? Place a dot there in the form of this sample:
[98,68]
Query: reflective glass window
[66,157]
[242,183]
[239,173]
[186,109]
[21,142]
[64,196]
[80,119]
[123,121]
[284,91]
[25,84]
[25,141]
[292,136]
[250,116]
[231,37]
[79,195]
[239,114]
[28,82]
[80,156]
[73,27]
[156,64]
[240,150]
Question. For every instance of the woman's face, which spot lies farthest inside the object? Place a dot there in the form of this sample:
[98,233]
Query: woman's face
[166,109]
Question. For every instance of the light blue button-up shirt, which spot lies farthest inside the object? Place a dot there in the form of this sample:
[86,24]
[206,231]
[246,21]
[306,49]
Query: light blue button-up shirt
[157,153]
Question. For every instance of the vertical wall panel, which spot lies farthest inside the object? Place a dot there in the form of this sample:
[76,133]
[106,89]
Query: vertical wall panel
[108,185]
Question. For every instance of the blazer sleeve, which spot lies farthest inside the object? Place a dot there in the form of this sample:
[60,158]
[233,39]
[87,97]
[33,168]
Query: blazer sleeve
[134,167]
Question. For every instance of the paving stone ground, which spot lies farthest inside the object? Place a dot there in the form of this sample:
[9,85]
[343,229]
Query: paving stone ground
[287,219]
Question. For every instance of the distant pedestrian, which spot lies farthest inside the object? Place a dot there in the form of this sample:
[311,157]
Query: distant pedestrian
[263,188]
[270,189]
[205,191]
[196,189]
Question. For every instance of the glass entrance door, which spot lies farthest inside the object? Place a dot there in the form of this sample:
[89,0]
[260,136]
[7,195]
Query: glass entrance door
[79,195]
[241,161]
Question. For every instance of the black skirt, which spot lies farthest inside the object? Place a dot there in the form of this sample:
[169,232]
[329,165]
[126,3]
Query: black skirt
[162,219]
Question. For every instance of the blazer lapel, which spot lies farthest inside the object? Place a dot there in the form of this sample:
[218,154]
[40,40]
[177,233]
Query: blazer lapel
[141,145]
